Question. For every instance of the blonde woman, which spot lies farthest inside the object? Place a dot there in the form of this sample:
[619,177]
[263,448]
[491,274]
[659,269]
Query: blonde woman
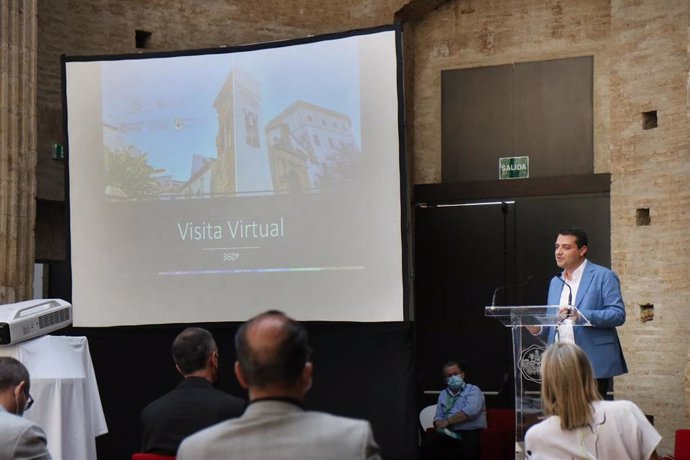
[579,425]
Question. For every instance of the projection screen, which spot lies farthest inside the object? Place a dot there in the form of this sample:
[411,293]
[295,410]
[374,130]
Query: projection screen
[212,185]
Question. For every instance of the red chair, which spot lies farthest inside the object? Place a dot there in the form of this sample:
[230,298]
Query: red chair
[147,456]
[681,450]
[498,439]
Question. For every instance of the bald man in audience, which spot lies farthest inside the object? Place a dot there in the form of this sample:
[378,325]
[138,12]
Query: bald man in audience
[194,404]
[274,365]
[20,439]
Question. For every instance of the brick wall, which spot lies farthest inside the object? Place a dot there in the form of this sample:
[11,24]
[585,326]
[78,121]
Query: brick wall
[640,51]
[650,169]
[464,34]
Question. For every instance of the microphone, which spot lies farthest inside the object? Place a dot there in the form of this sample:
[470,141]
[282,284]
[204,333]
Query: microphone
[565,320]
[570,291]
[493,297]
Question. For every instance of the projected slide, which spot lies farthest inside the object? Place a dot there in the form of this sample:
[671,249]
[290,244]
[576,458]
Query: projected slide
[212,186]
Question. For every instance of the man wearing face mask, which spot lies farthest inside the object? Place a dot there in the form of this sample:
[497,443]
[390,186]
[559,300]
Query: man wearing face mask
[19,438]
[274,364]
[460,416]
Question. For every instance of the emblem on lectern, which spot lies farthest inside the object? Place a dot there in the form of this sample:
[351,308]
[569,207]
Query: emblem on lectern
[530,363]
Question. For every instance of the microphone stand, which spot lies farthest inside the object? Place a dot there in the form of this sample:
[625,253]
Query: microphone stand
[559,275]
[493,297]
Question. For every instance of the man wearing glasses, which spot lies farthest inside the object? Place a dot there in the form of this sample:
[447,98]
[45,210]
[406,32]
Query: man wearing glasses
[19,437]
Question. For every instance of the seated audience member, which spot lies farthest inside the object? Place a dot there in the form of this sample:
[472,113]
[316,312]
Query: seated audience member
[273,363]
[194,404]
[19,438]
[579,423]
[460,417]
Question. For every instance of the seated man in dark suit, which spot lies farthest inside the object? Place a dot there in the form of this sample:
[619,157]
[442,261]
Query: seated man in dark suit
[194,404]
[19,437]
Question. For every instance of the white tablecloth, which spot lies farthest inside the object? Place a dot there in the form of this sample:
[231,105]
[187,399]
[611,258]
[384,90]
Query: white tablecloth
[67,404]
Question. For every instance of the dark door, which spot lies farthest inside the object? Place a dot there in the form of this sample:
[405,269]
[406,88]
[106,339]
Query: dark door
[463,253]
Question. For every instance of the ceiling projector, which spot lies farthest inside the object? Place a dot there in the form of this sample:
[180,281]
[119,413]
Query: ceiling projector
[26,320]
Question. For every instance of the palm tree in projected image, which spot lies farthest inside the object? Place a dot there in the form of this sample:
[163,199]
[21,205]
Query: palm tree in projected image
[128,174]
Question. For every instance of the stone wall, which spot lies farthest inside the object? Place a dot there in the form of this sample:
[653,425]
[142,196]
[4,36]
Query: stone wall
[17,148]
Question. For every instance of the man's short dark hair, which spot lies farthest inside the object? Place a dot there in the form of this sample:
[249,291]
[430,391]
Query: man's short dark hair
[12,373]
[578,233]
[448,364]
[192,348]
[284,363]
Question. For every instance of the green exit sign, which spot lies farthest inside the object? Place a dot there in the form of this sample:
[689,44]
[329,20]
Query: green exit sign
[58,152]
[513,168]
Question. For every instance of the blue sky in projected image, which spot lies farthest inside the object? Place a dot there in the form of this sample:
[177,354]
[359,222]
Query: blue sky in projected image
[144,98]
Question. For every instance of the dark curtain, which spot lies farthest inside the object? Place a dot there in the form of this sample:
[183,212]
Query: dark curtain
[361,370]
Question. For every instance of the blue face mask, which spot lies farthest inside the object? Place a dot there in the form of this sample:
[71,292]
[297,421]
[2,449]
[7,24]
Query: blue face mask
[455,382]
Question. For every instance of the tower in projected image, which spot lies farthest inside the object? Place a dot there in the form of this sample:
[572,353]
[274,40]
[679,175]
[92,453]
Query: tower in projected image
[242,164]
[309,145]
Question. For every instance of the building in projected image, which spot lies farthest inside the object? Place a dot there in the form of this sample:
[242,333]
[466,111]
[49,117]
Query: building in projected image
[306,145]
[200,182]
[242,164]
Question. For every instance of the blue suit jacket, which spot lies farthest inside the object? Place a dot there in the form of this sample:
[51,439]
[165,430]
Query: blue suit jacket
[600,301]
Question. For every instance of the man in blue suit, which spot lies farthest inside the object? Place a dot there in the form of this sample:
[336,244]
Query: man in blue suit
[597,295]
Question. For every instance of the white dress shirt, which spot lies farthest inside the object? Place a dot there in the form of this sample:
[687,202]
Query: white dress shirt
[565,329]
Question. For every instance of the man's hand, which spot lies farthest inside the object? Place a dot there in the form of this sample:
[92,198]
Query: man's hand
[534,330]
[458,418]
[569,312]
[440,423]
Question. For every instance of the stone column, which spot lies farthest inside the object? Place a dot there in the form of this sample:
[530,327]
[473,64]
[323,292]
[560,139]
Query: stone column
[18,54]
